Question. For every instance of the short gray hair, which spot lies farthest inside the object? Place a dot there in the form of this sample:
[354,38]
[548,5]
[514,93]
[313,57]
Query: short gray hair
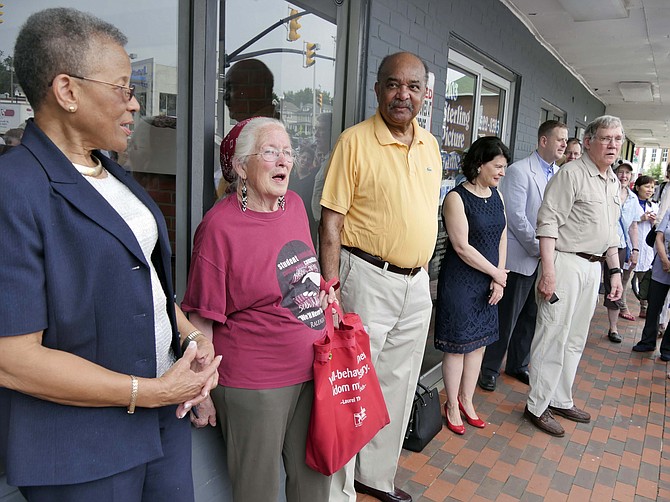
[604,122]
[382,71]
[55,41]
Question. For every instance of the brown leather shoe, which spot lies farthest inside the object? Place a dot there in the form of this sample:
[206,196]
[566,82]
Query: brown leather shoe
[574,414]
[397,495]
[545,422]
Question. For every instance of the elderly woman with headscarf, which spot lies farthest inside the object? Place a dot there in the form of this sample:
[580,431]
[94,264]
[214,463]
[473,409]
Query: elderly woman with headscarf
[255,286]
[92,387]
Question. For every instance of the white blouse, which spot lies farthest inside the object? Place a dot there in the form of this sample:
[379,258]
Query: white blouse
[142,223]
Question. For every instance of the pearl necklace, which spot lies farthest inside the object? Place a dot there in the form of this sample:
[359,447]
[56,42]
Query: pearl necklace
[94,171]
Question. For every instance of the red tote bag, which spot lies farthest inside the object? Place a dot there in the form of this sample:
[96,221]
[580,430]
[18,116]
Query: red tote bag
[349,407]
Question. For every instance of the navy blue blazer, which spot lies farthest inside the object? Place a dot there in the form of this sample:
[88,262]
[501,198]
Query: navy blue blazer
[69,265]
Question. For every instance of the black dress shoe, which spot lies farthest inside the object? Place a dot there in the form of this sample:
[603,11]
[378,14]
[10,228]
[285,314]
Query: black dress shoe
[487,382]
[397,495]
[614,337]
[522,376]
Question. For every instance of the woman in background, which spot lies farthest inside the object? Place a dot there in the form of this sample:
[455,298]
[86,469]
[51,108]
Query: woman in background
[644,189]
[629,250]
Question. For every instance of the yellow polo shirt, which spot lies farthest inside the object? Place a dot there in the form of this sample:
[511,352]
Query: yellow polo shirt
[389,193]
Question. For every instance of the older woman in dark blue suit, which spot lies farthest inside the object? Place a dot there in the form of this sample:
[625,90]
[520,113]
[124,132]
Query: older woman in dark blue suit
[90,333]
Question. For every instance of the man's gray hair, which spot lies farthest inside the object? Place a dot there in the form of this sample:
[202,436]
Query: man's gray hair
[55,41]
[604,122]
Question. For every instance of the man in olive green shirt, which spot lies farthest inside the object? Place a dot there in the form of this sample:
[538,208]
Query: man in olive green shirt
[577,228]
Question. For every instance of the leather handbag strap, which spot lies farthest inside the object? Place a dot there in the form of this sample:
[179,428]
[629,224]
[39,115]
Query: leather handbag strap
[418,395]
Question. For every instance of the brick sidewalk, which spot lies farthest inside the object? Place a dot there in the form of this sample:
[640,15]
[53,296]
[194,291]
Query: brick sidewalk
[618,456]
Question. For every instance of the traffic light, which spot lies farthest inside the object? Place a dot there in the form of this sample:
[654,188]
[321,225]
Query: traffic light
[1,13]
[319,98]
[293,26]
[310,54]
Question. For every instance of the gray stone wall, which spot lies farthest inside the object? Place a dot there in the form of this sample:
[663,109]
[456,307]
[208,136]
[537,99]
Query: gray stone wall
[426,27]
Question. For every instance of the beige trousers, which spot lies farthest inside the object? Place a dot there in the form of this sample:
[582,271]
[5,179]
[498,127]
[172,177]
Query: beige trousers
[560,332]
[396,311]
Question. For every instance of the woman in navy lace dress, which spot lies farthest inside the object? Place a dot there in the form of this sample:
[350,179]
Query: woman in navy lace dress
[472,276]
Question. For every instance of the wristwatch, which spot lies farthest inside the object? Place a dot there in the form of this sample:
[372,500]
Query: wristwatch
[613,271]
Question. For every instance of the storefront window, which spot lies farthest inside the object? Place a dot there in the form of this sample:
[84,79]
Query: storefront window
[280,62]
[151,149]
[474,95]
[458,120]
[551,112]
[490,111]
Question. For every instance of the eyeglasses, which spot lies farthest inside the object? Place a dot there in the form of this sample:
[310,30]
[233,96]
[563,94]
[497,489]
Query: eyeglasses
[272,154]
[609,139]
[128,91]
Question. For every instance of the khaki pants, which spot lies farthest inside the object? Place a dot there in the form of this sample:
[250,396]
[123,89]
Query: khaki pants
[395,310]
[561,331]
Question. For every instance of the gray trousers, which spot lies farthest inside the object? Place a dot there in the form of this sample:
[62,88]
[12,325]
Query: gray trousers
[261,428]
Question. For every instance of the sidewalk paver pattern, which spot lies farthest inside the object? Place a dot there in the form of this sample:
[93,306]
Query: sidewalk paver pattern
[619,456]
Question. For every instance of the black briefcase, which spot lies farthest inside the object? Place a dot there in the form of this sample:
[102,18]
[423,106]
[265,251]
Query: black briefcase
[425,420]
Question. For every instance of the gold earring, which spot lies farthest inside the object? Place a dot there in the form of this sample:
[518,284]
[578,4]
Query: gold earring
[72,109]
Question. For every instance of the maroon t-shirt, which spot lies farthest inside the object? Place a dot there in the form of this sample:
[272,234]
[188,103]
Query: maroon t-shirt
[257,277]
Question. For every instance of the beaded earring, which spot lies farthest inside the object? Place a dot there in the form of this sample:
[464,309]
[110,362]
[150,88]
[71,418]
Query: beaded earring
[245,200]
[282,202]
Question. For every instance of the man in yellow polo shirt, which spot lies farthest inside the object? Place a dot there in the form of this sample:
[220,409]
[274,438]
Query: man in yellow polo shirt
[378,232]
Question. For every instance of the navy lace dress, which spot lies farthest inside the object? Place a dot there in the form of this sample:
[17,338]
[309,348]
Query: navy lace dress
[464,319]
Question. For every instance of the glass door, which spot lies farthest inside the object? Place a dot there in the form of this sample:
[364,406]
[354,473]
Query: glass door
[278,59]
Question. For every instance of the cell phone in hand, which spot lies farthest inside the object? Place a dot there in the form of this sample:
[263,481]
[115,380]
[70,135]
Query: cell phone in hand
[553,298]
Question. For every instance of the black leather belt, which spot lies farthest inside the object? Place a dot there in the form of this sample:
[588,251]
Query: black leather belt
[378,262]
[592,257]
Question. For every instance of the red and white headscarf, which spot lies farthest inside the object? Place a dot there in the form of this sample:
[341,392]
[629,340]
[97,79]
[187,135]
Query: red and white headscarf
[228,150]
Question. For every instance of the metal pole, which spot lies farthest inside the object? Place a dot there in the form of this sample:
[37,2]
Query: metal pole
[313,98]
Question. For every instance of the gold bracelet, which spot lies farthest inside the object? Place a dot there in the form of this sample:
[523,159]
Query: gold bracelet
[189,338]
[133,394]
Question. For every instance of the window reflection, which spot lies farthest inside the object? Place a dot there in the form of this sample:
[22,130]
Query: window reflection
[153,55]
[490,110]
[287,73]
[457,125]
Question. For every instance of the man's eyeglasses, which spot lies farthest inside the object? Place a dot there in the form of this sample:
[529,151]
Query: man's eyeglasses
[272,154]
[128,91]
[609,139]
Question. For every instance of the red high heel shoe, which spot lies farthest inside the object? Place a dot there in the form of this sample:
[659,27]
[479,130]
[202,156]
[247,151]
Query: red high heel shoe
[456,429]
[475,422]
